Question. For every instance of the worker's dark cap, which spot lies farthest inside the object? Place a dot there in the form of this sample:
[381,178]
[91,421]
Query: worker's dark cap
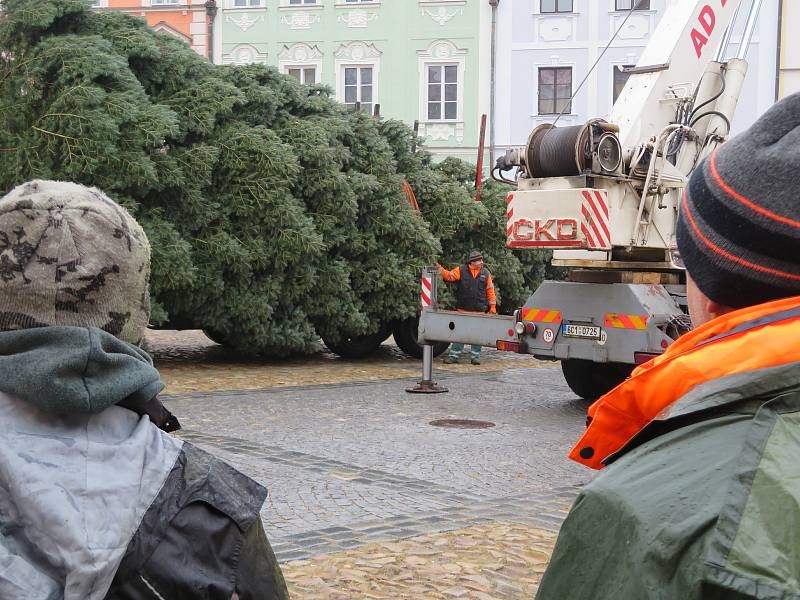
[474,255]
[739,228]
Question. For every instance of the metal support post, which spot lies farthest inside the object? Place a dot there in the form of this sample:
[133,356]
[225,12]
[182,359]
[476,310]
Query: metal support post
[430,279]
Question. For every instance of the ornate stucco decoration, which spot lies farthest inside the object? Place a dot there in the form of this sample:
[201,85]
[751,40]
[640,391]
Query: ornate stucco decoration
[357,51]
[300,53]
[441,15]
[244,21]
[357,18]
[244,54]
[300,20]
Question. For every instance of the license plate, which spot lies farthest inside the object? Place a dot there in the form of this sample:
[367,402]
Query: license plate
[591,332]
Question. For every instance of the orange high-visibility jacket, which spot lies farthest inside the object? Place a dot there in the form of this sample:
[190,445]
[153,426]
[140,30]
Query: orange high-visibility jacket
[752,338]
[455,275]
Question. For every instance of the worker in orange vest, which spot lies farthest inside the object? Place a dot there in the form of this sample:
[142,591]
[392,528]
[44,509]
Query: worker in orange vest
[474,293]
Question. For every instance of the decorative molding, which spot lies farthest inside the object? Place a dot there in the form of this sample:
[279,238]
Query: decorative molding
[357,52]
[300,53]
[164,27]
[441,15]
[357,18]
[442,50]
[244,21]
[639,26]
[300,20]
[244,54]
[442,132]
[555,28]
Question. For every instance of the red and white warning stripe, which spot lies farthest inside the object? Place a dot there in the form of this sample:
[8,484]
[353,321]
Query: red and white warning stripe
[425,296]
[595,219]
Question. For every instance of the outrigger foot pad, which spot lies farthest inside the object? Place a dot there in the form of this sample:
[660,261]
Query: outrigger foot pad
[427,387]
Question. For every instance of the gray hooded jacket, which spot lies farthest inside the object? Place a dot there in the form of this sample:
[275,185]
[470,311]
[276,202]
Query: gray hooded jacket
[97,502]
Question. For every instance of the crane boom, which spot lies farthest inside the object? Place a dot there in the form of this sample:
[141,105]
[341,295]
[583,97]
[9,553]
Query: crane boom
[672,64]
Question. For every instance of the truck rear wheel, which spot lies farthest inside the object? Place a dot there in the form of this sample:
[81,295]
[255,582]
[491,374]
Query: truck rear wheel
[405,336]
[359,346]
[590,380]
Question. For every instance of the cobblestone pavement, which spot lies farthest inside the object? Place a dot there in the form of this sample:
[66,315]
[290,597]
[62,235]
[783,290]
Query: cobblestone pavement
[368,499]
[190,362]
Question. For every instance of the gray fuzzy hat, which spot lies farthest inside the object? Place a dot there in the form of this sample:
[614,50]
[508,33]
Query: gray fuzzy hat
[739,227]
[69,255]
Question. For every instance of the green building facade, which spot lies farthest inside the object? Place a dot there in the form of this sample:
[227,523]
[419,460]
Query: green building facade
[420,60]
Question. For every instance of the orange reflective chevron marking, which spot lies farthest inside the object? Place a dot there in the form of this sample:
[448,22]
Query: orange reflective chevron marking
[625,321]
[541,315]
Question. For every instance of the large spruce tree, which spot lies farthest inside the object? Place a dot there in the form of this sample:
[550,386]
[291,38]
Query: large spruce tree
[276,215]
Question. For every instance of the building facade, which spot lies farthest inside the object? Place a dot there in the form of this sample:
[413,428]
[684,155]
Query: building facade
[414,60]
[548,47]
[188,20]
[789,51]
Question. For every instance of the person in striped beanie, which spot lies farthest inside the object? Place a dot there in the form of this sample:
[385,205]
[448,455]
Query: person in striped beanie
[699,493]
[738,230]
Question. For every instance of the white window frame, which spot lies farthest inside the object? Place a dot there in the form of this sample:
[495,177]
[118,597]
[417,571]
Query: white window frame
[439,53]
[632,3]
[153,3]
[261,4]
[358,54]
[300,55]
[284,5]
[301,67]
[441,101]
[359,85]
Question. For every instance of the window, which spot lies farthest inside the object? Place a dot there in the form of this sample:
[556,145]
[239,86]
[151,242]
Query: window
[246,3]
[555,90]
[627,4]
[157,2]
[620,79]
[358,87]
[296,2]
[360,1]
[305,75]
[442,92]
[555,6]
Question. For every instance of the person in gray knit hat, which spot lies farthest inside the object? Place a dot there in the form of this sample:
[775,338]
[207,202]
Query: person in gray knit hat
[98,500]
[699,495]
[69,255]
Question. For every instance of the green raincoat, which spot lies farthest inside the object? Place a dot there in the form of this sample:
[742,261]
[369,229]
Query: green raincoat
[704,504]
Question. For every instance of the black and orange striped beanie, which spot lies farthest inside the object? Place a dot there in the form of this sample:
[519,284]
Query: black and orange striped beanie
[738,231]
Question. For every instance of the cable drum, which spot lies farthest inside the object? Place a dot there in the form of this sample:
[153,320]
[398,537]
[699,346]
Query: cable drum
[557,151]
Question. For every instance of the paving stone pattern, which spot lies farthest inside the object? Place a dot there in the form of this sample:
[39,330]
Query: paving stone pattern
[357,465]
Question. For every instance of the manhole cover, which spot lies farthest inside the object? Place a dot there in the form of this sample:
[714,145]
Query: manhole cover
[462,424]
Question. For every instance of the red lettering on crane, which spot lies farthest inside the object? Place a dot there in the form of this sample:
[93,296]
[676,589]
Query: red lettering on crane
[699,41]
[541,230]
[573,229]
[519,236]
[707,19]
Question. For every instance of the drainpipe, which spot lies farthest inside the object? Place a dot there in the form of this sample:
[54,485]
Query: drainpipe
[493,69]
[211,15]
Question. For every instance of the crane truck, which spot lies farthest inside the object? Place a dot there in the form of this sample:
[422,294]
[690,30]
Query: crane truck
[605,197]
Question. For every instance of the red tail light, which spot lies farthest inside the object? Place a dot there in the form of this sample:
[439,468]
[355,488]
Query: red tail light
[508,346]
